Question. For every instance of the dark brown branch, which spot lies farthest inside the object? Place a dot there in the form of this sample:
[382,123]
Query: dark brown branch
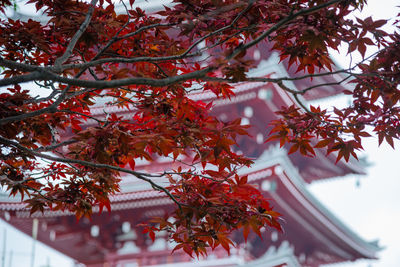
[55,146]
[128,60]
[20,79]
[68,51]
[81,114]
[20,66]
[49,76]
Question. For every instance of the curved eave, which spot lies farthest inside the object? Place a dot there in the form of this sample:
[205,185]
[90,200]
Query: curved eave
[121,201]
[313,211]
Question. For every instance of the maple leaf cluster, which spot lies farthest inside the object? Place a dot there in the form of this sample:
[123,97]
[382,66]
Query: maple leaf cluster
[118,91]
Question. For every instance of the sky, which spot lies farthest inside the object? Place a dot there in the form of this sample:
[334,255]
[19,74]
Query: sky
[369,205]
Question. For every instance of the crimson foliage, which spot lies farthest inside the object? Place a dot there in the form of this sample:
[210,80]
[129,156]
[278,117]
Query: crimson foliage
[59,154]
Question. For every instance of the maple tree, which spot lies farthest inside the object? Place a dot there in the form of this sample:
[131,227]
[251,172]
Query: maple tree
[57,154]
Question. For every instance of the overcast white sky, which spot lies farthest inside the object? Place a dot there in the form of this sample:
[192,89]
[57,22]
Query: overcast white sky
[371,209]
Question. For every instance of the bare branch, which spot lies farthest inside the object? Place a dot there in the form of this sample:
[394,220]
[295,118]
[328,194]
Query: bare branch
[59,61]
[20,79]
[49,76]
[19,66]
[55,146]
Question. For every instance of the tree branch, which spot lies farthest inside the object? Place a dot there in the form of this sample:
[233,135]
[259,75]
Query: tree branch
[275,27]
[55,146]
[49,76]
[59,61]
